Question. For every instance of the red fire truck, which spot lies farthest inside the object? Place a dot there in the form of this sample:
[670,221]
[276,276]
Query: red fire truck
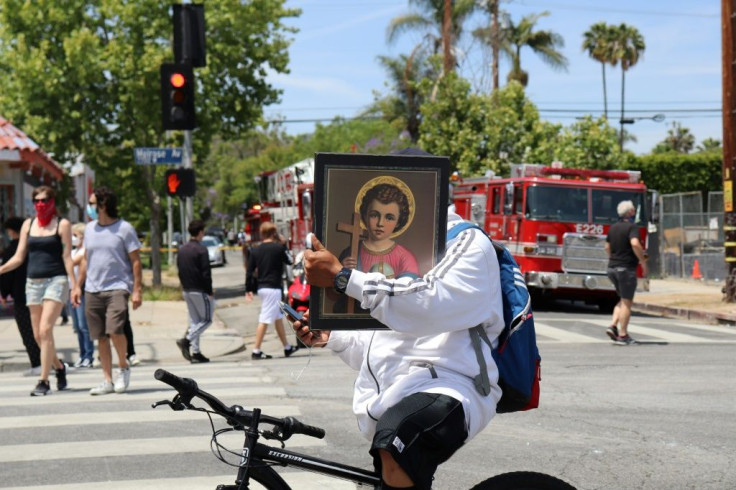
[554,221]
[286,200]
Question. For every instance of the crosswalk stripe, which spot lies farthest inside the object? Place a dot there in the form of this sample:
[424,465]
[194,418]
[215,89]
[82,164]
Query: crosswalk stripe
[228,395]
[135,384]
[161,414]
[311,481]
[562,335]
[657,333]
[122,447]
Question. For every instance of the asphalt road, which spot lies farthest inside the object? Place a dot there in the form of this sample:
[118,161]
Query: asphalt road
[658,415]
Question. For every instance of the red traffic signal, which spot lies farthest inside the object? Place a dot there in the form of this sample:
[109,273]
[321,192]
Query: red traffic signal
[177,96]
[180,182]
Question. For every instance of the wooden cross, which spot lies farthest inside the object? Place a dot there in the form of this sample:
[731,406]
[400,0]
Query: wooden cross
[355,235]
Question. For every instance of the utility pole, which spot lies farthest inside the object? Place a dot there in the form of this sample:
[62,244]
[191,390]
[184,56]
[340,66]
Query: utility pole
[728,25]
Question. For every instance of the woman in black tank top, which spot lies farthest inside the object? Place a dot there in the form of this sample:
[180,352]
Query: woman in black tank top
[46,240]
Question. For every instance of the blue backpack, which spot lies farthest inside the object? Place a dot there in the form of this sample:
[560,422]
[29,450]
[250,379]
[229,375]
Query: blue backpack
[516,355]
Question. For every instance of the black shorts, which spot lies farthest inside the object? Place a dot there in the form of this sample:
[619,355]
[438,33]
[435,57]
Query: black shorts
[624,280]
[421,431]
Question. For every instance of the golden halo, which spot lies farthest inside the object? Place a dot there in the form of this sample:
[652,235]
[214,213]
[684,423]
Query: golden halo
[387,179]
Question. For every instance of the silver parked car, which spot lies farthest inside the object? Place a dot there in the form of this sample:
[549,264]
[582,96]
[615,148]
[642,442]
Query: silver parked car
[214,249]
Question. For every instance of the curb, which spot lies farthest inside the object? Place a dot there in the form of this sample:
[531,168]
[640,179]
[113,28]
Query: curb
[686,313]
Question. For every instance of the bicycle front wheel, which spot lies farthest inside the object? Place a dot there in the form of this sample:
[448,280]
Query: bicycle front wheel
[523,480]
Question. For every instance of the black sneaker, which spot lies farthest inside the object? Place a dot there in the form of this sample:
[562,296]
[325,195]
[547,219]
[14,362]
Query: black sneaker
[259,356]
[625,340]
[42,388]
[291,350]
[61,377]
[612,332]
[199,357]
[184,347]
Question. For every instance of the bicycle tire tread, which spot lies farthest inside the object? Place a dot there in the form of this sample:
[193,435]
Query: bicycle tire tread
[523,480]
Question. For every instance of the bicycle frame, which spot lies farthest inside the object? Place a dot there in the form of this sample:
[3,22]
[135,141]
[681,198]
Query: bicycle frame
[257,452]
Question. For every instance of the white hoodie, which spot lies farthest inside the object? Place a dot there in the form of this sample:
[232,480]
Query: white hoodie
[428,348]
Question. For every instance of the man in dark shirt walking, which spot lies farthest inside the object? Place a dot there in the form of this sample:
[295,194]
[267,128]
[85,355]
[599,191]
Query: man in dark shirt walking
[625,252]
[195,276]
[267,262]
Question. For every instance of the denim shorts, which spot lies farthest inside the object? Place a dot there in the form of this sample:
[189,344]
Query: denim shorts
[53,288]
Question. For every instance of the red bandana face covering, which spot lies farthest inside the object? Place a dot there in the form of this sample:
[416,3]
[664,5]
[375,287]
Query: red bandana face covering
[45,211]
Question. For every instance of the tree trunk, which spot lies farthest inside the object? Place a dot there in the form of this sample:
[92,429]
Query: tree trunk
[494,43]
[155,201]
[449,63]
[623,82]
[605,95]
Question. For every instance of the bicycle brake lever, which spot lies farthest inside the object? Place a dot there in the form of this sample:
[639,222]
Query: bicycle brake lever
[169,403]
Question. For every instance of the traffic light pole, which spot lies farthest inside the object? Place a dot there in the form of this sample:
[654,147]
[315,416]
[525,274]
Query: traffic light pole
[187,163]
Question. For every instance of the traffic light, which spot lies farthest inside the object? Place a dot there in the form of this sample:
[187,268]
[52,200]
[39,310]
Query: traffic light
[177,96]
[180,182]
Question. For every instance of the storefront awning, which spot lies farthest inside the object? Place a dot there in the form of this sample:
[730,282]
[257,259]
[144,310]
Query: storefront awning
[22,152]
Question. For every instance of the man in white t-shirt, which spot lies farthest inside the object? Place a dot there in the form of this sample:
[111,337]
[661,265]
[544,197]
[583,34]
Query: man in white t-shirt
[111,273]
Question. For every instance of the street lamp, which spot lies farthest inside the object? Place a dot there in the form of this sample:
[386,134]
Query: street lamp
[632,120]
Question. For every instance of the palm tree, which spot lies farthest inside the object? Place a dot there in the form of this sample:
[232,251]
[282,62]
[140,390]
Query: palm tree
[597,41]
[429,19]
[491,35]
[543,43]
[627,47]
[405,72]
[679,140]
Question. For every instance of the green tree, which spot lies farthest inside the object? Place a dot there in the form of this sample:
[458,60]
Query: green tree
[544,43]
[481,132]
[597,41]
[587,143]
[678,140]
[710,144]
[628,47]
[83,78]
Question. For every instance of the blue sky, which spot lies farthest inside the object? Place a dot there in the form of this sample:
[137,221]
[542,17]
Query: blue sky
[335,72]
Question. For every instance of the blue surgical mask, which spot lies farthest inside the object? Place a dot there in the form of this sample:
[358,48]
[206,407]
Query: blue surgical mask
[92,211]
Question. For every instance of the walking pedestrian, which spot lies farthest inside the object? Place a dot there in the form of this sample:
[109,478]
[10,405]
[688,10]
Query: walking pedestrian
[14,284]
[195,275]
[79,319]
[625,251]
[46,241]
[111,274]
[265,269]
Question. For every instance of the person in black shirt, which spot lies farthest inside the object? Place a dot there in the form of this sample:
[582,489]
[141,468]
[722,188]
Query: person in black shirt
[14,284]
[625,252]
[267,263]
[195,276]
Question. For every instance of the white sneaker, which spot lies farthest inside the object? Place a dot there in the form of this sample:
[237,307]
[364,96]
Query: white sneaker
[34,371]
[78,363]
[105,388]
[122,380]
[133,360]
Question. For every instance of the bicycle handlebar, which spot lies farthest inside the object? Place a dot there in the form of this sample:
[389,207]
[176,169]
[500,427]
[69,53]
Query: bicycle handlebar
[188,389]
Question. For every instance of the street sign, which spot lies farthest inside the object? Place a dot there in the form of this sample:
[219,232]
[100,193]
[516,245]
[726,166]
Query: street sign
[158,156]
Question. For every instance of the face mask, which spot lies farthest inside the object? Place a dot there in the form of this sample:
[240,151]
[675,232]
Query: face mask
[92,211]
[45,211]
[75,241]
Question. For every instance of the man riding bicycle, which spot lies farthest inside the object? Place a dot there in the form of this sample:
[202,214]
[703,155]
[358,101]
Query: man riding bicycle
[415,396]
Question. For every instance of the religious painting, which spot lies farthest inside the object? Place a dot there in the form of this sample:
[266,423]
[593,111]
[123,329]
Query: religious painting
[376,213]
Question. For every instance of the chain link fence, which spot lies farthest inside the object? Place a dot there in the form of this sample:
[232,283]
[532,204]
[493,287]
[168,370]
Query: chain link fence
[690,241]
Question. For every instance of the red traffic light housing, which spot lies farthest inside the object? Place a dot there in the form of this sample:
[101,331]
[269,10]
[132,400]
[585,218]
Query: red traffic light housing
[180,182]
[177,96]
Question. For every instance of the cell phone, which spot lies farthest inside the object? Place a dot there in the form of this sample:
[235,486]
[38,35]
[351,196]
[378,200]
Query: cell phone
[291,312]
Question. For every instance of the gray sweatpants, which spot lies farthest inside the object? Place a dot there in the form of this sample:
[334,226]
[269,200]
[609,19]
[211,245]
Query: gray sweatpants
[200,315]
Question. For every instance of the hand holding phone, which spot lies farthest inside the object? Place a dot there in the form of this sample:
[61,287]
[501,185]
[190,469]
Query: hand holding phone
[291,313]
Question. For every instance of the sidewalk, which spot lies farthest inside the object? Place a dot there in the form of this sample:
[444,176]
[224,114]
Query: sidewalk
[157,324]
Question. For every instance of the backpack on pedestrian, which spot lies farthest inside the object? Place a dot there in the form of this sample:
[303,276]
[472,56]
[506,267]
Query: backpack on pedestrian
[516,356]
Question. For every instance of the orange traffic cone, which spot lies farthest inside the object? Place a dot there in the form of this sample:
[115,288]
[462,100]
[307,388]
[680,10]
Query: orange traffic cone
[696,270]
